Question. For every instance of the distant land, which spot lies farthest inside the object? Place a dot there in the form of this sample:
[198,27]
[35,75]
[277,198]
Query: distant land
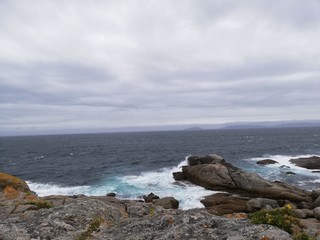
[182,127]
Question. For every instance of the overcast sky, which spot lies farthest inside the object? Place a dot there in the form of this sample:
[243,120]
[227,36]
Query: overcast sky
[98,64]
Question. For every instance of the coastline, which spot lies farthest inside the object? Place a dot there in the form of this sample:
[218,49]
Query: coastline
[24,215]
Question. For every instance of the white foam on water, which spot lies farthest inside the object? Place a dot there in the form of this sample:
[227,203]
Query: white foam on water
[159,182]
[284,160]
[162,184]
[43,189]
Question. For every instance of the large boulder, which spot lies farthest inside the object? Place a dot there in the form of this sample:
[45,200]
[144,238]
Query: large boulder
[224,176]
[224,203]
[309,163]
[12,181]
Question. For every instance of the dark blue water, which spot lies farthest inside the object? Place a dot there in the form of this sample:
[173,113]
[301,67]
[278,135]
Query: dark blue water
[93,159]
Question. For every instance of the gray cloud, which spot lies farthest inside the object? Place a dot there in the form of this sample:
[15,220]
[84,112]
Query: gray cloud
[71,64]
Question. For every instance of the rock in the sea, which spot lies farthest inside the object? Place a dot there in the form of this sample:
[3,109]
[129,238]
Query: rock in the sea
[12,181]
[150,197]
[179,176]
[111,194]
[309,163]
[224,176]
[267,162]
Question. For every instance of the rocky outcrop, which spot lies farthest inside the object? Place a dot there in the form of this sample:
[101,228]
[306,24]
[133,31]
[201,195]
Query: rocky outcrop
[82,217]
[7,180]
[27,216]
[309,163]
[224,176]
[187,225]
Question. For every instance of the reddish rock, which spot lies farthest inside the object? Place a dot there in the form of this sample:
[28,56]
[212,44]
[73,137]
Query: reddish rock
[11,193]
[12,181]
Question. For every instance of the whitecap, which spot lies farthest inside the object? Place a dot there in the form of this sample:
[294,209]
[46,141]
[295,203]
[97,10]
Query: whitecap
[162,184]
[45,189]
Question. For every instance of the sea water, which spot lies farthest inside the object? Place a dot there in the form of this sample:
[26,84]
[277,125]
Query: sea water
[135,164]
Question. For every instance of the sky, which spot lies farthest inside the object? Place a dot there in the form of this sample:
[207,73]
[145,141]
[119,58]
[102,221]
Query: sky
[69,64]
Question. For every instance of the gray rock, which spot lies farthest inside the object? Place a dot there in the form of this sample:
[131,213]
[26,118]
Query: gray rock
[63,222]
[309,163]
[179,176]
[224,176]
[138,209]
[224,203]
[187,225]
[311,226]
[305,205]
[316,203]
[303,213]
[167,203]
[316,212]
[111,194]
[257,204]
[267,162]
[315,193]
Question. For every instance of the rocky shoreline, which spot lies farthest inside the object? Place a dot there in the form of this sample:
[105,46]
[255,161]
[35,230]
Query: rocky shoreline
[24,215]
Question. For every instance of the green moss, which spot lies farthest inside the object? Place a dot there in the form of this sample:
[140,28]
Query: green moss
[93,226]
[2,205]
[303,236]
[42,204]
[152,211]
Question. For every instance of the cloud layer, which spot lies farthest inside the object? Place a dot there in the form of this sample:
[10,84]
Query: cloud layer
[95,64]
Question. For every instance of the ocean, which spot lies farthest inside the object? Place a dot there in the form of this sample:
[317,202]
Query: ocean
[137,163]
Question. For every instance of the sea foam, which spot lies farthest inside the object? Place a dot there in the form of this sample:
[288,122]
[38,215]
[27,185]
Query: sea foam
[159,182]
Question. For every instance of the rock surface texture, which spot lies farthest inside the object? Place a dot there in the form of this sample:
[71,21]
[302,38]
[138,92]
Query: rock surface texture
[28,217]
